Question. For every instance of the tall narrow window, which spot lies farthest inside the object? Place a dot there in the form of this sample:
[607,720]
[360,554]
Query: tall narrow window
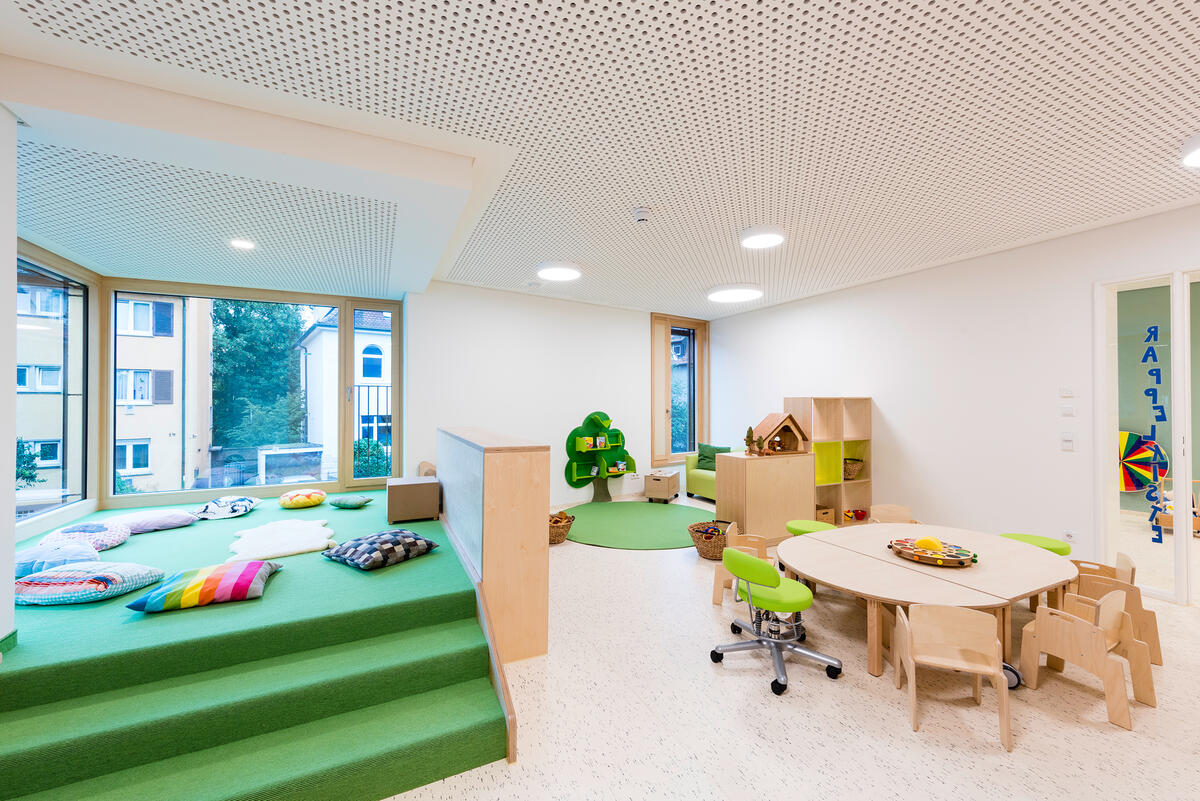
[679,391]
[372,397]
[51,405]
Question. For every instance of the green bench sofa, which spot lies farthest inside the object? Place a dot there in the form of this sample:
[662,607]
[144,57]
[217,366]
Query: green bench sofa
[702,482]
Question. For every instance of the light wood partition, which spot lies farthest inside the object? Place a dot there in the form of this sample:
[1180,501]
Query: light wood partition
[496,496]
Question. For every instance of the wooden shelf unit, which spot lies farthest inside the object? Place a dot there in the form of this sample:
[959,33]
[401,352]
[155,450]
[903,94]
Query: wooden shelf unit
[838,429]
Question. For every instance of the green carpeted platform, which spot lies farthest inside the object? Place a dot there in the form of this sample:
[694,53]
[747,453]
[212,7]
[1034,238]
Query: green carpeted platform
[297,695]
[635,526]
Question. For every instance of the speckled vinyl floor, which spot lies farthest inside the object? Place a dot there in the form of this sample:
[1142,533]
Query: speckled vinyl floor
[628,706]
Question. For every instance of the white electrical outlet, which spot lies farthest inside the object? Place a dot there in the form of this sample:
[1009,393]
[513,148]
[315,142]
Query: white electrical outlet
[1066,410]
[632,475]
[1069,535]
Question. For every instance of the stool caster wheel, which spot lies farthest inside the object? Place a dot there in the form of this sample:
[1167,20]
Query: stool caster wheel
[716,656]
[735,628]
[832,672]
[1013,675]
[776,687]
[803,636]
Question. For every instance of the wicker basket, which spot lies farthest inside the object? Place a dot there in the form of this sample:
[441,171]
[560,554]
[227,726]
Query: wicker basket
[559,531]
[851,468]
[711,548]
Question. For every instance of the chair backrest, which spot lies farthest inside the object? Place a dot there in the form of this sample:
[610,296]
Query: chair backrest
[1109,611]
[750,568]
[891,513]
[1125,570]
[426,469]
[931,624]
[747,543]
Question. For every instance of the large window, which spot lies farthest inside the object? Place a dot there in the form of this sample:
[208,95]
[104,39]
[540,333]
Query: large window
[213,392]
[679,390]
[51,404]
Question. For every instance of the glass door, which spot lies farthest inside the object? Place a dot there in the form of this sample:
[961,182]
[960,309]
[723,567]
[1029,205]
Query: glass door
[1144,503]
[372,380]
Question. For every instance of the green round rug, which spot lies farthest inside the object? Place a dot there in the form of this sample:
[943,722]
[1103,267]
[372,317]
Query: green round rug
[635,526]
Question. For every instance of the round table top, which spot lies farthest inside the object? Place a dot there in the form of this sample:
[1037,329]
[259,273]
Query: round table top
[856,559]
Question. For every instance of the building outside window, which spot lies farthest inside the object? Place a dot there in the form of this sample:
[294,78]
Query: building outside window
[217,392]
[51,403]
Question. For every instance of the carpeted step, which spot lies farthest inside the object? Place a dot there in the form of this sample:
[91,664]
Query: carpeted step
[214,647]
[77,739]
[364,755]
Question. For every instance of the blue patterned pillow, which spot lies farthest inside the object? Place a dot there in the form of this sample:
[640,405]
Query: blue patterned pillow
[380,550]
[46,555]
[83,582]
[226,506]
[100,534]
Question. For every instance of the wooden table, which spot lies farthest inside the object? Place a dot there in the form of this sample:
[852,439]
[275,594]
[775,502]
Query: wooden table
[856,560]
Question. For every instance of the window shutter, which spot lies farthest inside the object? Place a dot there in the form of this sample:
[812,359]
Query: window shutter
[164,319]
[163,386]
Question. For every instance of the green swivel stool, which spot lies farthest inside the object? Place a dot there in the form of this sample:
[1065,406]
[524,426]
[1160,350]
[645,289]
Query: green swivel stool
[798,527]
[775,605]
[1047,543]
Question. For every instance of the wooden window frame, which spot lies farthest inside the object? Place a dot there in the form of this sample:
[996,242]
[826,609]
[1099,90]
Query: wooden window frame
[660,385]
[109,286]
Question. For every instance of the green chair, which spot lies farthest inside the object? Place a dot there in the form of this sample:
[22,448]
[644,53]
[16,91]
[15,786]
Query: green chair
[775,605]
[798,527]
[1047,543]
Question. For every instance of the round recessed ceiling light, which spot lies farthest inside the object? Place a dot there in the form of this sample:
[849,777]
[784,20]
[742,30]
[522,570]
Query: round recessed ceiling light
[735,293]
[241,244]
[558,271]
[1191,152]
[757,237]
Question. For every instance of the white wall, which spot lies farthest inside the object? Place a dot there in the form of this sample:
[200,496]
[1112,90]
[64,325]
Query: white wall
[965,363]
[8,363]
[528,366]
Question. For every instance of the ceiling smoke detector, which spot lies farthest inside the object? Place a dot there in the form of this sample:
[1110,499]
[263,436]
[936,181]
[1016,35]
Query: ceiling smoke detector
[641,214]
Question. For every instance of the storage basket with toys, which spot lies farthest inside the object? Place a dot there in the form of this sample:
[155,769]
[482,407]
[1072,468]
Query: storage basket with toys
[709,539]
[560,527]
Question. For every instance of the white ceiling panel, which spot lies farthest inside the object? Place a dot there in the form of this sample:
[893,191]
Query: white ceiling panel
[881,135]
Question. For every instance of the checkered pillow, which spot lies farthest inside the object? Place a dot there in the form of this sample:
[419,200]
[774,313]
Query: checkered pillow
[81,582]
[381,550]
[100,534]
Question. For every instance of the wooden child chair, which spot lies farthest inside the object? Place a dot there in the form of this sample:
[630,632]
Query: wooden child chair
[746,543]
[891,513]
[1096,580]
[1091,634]
[951,638]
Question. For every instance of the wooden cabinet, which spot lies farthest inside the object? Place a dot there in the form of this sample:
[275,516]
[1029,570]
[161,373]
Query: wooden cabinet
[762,493]
[839,429]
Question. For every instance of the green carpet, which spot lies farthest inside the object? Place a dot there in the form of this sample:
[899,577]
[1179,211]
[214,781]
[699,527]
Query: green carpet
[634,525]
[298,695]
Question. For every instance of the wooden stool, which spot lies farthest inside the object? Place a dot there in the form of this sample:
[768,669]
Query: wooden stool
[746,543]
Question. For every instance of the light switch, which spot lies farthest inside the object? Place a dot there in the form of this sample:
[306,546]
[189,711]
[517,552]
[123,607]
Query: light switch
[1066,410]
[1066,441]
[1066,392]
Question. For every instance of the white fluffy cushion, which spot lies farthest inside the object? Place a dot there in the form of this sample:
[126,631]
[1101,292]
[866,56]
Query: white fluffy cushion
[281,538]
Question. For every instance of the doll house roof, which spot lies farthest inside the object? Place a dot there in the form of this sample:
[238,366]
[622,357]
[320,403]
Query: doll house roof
[783,425]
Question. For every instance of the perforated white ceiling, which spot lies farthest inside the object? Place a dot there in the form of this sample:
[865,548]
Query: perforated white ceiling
[154,219]
[882,135]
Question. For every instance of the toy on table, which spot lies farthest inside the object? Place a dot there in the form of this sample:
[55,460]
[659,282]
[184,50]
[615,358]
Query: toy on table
[932,551]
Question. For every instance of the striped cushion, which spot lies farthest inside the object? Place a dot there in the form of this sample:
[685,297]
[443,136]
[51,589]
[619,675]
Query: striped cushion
[82,582]
[100,534]
[215,584]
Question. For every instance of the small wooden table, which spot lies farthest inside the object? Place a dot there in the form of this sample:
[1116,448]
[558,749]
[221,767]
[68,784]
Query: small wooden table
[856,560]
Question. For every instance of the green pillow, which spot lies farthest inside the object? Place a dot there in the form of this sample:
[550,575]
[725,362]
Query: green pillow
[349,501]
[707,456]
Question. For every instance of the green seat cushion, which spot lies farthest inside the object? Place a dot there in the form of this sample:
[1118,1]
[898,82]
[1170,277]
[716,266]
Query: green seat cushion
[807,526]
[707,456]
[1049,543]
[789,596]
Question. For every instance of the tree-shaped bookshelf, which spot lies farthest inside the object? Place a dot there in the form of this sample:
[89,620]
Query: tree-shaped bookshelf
[595,453]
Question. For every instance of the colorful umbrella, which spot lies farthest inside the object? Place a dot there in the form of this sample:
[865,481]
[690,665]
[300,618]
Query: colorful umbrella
[1138,457]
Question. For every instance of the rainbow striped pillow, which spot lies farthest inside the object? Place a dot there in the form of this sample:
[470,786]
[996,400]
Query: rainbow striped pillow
[216,584]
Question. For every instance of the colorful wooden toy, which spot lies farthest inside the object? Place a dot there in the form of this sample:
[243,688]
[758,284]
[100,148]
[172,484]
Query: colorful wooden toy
[931,551]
